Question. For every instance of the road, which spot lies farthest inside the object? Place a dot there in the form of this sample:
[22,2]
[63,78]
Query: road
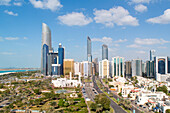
[137,110]
[116,107]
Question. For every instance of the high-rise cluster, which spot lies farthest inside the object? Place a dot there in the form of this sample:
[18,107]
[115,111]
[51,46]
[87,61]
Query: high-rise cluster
[51,62]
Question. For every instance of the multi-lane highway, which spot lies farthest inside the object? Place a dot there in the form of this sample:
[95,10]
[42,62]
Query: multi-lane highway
[134,108]
[116,107]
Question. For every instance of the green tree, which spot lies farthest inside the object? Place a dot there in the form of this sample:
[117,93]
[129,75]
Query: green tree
[93,107]
[37,91]
[53,103]
[61,103]
[163,89]
[168,111]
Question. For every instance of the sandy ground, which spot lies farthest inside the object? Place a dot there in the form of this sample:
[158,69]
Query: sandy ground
[6,73]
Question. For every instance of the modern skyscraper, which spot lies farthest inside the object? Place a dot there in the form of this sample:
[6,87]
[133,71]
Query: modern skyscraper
[104,52]
[118,66]
[128,69]
[136,67]
[61,57]
[152,55]
[89,53]
[150,69]
[46,46]
[96,65]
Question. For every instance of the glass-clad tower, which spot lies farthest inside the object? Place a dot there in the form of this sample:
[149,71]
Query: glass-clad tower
[152,55]
[61,57]
[89,55]
[46,46]
[104,52]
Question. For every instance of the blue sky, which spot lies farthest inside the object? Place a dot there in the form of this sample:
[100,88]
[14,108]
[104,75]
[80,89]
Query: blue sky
[130,28]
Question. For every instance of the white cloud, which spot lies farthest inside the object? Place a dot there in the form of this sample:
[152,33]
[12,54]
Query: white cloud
[5,2]
[162,47]
[53,5]
[140,8]
[105,40]
[117,15]
[11,38]
[7,53]
[162,19]
[121,40]
[11,13]
[150,41]
[75,18]
[140,1]
[133,46]
[141,52]
[17,3]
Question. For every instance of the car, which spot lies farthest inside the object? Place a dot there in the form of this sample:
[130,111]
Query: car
[144,107]
[140,105]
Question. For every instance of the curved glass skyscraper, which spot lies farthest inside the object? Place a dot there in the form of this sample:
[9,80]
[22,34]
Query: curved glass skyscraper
[104,52]
[89,55]
[46,46]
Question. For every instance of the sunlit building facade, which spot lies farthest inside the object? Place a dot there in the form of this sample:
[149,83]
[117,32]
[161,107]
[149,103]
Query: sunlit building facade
[68,66]
[118,66]
[89,53]
[104,52]
[46,46]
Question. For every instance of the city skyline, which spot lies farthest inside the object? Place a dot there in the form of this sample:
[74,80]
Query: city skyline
[21,43]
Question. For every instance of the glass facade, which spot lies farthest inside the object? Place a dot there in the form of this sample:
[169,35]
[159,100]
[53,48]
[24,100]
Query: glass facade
[161,66]
[104,52]
[56,69]
[168,64]
[89,55]
[114,66]
[61,58]
[46,42]
[138,67]
[121,66]
[45,59]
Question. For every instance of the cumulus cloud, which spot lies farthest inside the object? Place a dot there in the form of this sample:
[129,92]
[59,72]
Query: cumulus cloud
[140,1]
[140,8]
[53,5]
[121,40]
[105,40]
[75,19]
[5,2]
[162,19]
[150,41]
[109,41]
[133,46]
[17,3]
[11,38]
[141,52]
[116,15]
[11,13]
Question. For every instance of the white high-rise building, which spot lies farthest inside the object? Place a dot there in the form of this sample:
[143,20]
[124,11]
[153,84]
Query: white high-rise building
[118,66]
[136,67]
[104,68]
[76,68]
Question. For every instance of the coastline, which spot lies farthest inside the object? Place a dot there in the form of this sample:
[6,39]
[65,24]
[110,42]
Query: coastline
[6,73]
